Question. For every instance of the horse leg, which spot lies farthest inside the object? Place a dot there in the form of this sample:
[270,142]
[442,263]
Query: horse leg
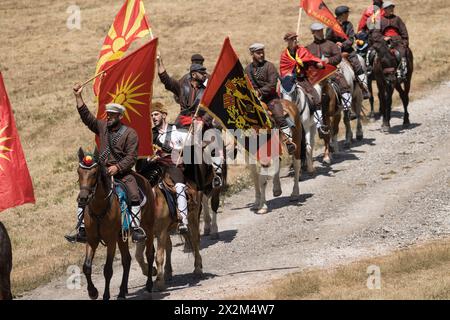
[309,138]
[168,272]
[263,186]
[126,264]
[161,244]
[297,169]
[206,216]
[335,131]
[277,183]
[150,255]
[139,255]
[348,130]
[195,239]
[404,95]
[87,269]
[108,268]
[372,114]
[215,201]
[382,96]
[254,172]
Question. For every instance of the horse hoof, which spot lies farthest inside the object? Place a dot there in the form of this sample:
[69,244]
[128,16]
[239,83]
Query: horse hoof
[277,193]
[93,294]
[214,236]
[359,137]
[263,211]
[149,286]
[406,125]
[294,197]
[198,272]
[121,296]
[160,286]
[168,276]
[154,271]
[347,145]
[206,232]
[106,297]
[327,161]
[385,128]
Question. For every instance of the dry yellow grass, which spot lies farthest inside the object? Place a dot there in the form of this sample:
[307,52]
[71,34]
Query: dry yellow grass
[41,60]
[412,274]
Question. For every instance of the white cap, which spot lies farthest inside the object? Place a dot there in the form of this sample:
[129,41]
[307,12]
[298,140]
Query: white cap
[387,4]
[316,26]
[115,108]
[256,46]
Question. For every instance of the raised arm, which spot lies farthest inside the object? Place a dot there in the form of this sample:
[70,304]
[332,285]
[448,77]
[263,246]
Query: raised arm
[169,83]
[86,116]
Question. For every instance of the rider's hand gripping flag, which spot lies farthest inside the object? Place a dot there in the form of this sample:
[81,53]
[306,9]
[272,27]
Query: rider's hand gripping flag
[130,24]
[16,187]
[130,84]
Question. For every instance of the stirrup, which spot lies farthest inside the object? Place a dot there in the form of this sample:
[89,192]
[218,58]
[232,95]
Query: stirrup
[182,228]
[79,237]
[323,129]
[217,182]
[138,235]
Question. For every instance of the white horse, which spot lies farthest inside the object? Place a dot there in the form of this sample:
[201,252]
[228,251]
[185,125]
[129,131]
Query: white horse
[357,100]
[261,173]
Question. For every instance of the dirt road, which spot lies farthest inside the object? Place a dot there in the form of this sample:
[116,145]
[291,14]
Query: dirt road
[388,191]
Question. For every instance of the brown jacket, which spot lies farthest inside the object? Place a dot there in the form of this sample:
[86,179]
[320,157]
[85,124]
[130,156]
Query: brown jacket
[264,78]
[326,48]
[189,97]
[394,23]
[126,147]
[347,44]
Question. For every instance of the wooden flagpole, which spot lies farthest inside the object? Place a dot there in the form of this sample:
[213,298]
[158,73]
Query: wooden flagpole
[299,21]
[91,79]
[191,128]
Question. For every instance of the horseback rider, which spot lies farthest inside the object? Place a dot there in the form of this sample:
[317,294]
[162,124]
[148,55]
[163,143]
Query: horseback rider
[190,93]
[195,59]
[330,53]
[303,59]
[346,45]
[395,33]
[371,16]
[170,142]
[264,78]
[118,153]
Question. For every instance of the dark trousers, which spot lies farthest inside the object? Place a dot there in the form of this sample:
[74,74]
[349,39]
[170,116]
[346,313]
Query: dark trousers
[311,93]
[356,64]
[339,79]
[132,187]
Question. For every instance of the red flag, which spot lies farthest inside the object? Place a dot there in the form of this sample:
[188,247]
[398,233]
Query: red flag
[289,65]
[230,99]
[130,83]
[318,10]
[16,187]
[130,24]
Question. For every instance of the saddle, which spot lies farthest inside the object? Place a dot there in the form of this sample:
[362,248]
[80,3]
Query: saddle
[337,92]
[120,189]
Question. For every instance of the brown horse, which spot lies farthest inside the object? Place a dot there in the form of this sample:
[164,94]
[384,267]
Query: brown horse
[384,69]
[5,264]
[164,223]
[103,222]
[332,117]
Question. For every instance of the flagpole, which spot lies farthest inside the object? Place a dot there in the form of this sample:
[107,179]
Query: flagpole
[191,128]
[94,77]
[299,21]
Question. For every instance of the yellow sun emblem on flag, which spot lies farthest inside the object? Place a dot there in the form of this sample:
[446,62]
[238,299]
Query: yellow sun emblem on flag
[126,94]
[3,148]
[118,39]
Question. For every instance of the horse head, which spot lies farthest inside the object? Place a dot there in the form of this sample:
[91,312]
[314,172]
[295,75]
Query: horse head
[88,173]
[387,60]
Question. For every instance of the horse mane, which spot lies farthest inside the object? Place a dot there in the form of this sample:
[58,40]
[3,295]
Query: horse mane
[386,57]
[104,178]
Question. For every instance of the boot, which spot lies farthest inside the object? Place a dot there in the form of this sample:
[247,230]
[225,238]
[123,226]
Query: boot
[137,233]
[363,83]
[80,236]
[217,167]
[182,207]
[321,127]
[290,145]
[403,68]
[346,101]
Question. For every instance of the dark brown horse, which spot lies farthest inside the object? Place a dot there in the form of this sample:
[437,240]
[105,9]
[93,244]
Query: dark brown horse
[5,264]
[103,222]
[384,69]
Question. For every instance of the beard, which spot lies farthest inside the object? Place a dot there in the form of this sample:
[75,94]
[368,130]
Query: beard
[112,123]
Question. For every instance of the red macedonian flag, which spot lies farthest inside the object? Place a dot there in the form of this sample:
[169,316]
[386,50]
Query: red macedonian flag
[318,10]
[130,24]
[130,83]
[16,187]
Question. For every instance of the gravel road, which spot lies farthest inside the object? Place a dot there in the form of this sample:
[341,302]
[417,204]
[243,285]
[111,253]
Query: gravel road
[388,191]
